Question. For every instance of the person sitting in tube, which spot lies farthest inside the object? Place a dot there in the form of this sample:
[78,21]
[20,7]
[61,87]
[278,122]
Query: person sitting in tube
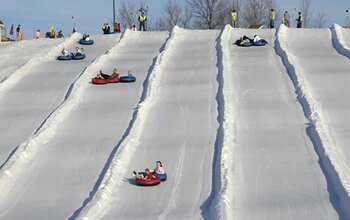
[78,51]
[149,175]
[64,52]
[259,39]
[114,74]
[159,168]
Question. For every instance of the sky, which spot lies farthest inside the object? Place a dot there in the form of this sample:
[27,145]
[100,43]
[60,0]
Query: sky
[89,15]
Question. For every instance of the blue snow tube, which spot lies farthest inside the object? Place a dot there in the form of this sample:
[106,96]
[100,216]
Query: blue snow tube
[78,57]
[68,57]
[162,177]
[260,43]
[86,42]
[127,79]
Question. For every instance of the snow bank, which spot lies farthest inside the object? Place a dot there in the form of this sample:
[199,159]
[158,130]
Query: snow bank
[221,206]
[14,78]
[339,42]
[27,151]
[99,203]
[331,156]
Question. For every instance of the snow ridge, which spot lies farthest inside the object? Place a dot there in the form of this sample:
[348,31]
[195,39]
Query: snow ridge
[214,207]
[225,196]
[98,205]
[339,42]
[16,76]
[27,151]
[331,158]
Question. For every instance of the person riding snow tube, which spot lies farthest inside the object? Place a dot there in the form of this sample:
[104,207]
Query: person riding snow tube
[159,171]
[86,42]
[102,78]
[257,41]
[146,178]
[244,42]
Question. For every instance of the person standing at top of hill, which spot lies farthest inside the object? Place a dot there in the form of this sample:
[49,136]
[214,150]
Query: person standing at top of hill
[286,19]
[142,19]
[299,20]
[60,34]
[37,34]
[272,18]
[234,18]
[106,29]
[18,31]
[52,32]
[117,27]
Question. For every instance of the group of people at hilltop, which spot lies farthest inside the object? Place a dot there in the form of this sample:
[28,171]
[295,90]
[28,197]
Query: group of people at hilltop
[272,18]
[50,34]
[116,28]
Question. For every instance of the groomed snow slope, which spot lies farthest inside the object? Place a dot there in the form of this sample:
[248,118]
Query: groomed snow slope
[275,172]
[323,76]
[63,173]
[30,94]
[79,143]
[15,55]
[176,124]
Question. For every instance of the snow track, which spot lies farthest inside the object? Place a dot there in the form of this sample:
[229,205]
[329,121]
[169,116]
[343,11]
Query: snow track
[37,100]
[165,129]
[64,142]
[275,170]
[243,133]
[341,42]
[323,86]
[39,87]
[15,55]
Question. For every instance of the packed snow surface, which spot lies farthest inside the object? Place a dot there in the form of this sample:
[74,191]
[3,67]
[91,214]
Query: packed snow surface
[230,124]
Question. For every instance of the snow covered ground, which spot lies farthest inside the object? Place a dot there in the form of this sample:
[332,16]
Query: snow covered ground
[32,92]
[276,174]
[243,133]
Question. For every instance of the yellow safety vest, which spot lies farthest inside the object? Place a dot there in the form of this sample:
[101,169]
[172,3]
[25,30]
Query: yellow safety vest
[234,16]
[143,18]
[272,15]
[283,20]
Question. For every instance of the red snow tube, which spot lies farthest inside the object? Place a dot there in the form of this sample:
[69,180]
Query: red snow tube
[114,80]
[148,182]
[97,80]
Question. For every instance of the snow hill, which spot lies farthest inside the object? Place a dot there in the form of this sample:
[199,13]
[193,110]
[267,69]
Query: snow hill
[243,133]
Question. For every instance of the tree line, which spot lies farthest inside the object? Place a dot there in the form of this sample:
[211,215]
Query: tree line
[214,14]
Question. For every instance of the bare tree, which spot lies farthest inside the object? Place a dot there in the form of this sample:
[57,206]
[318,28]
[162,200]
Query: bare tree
[306,12]
[254,12]
[321,19]
[171,14]
[128,13]
[207,12]
[159,25]
[186,17]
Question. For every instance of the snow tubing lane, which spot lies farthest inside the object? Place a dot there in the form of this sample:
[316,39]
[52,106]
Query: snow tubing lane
[101,81]
[64,57]
[147,182]
[86,42]
[78,57]
[127,79]
[162,177]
